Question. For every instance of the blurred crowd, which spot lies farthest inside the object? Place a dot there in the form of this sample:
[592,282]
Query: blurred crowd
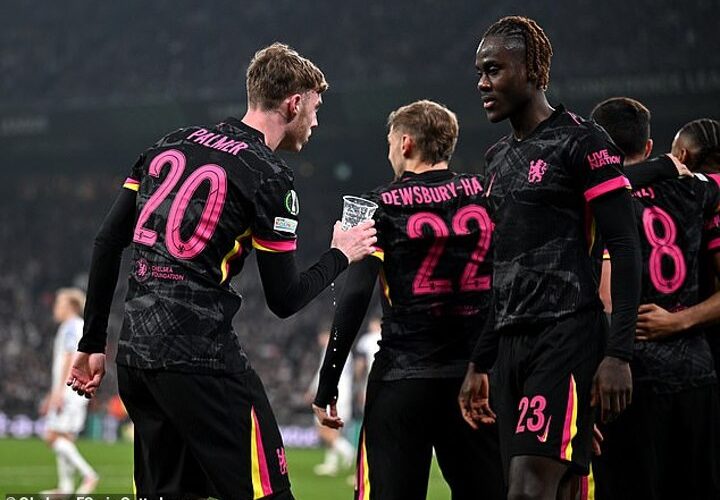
[127,51]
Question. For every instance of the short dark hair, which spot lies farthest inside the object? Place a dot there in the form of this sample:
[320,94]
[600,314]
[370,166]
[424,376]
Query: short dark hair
[627,121]
[704,134]
[278,71]
[433,126]
[538,50]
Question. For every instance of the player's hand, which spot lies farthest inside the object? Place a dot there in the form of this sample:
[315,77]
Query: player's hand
[86,373]
[598,438]
[655,323]
[474,398]
[683,171]
[612,388]
[328,419]
[357,242]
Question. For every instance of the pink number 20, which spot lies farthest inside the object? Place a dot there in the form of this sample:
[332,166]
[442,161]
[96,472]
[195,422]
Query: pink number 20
[179,248]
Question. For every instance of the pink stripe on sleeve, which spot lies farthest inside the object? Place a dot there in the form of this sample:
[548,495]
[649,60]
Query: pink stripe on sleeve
[275,246]
[131,183]
[606,187]
[715,177]
[713,244]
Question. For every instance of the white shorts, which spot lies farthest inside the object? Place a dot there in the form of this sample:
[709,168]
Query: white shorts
[69,420]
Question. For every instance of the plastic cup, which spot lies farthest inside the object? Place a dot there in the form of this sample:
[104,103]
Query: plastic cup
[355,211]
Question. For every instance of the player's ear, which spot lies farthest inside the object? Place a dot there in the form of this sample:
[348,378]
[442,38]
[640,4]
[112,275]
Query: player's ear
[682,155]
[292,104]
[648,148]
[407,146]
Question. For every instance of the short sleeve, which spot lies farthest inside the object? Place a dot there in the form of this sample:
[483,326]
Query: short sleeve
[132,182]
[71,332]
[276,215]
[597,164]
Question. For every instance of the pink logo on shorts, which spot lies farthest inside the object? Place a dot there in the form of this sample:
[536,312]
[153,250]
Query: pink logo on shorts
[537,170]
[282,460]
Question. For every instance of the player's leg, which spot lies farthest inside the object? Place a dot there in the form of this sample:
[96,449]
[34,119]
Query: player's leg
[339,452]
[634,449]
[395,452]
[330,465]
[534,477]
[573,487]
[695,445]
[65,469]
[341,444]
[552,422]
[229,427]
[63,427]
[163,463]
[469,460]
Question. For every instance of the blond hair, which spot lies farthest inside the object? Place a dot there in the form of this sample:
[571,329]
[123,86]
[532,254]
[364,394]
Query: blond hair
[278,71]
[433,126]
[75,297]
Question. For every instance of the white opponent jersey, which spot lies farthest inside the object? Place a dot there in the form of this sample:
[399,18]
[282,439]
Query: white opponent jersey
[66,341]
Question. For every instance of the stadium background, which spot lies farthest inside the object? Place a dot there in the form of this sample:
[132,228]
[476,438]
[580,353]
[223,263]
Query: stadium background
[85,87]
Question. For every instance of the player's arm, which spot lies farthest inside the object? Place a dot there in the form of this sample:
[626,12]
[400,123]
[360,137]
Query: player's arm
[614,215]
[114,235]
[288,290]
[655,323]
[604,288]
[474,397]
[597,163]
[88,365]
[349,316]
[656,169]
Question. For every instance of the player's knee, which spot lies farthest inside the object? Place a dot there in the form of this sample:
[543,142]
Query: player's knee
[526,490]
[527,482]
[50,438]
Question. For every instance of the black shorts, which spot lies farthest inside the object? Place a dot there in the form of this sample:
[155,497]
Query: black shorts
[404,420]
[664,446]
[203,435]
[541,385]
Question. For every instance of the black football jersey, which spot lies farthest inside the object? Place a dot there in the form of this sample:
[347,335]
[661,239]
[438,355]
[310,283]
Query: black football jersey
[434,236]
[205,198]
[709,282]
[546,242]
[675,219]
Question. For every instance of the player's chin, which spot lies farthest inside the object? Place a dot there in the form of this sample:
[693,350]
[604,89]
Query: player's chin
[495,115]
[297,147]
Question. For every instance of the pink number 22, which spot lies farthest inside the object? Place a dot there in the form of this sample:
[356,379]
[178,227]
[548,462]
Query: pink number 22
[470,279]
